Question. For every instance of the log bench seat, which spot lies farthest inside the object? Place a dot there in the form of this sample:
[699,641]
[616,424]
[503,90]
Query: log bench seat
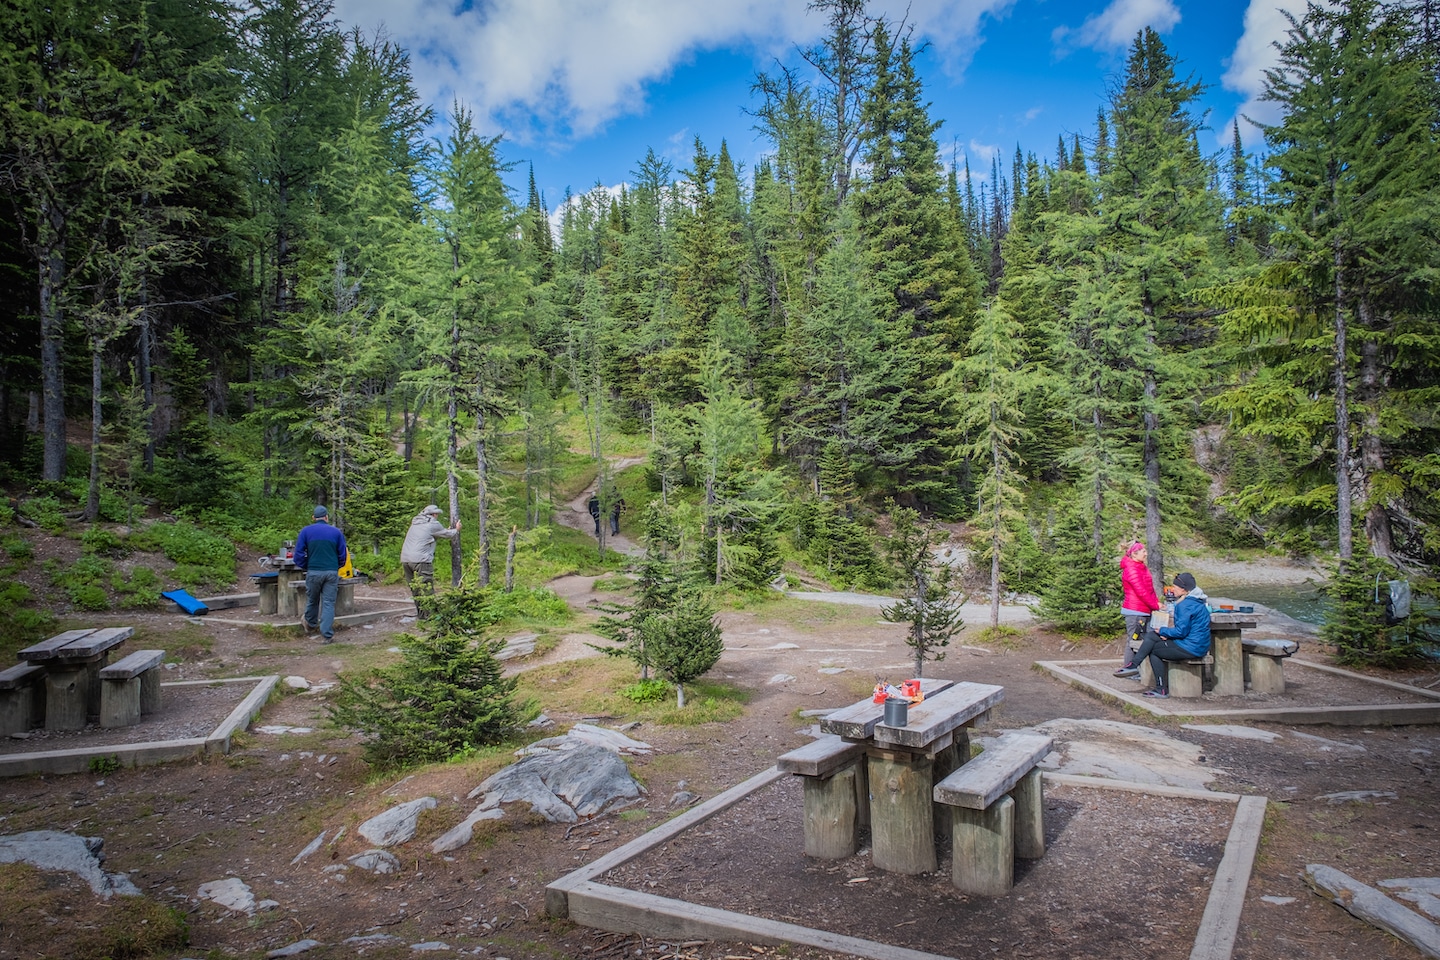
[1187,677]
[130,688]
[835,794]
[997,813]
[1263,672]
[19,698]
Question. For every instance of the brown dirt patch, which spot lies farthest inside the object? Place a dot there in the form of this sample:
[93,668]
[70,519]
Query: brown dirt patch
[174,827]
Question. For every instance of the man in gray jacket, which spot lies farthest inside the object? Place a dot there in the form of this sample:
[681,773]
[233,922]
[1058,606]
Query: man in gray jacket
[417,556]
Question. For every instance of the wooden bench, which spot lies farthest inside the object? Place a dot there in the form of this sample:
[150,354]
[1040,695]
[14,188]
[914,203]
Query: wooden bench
[290,599]
[20,698]
[836,794]
[1187,677]
[997,808]
[1263,672]
[72,662]
[130,688]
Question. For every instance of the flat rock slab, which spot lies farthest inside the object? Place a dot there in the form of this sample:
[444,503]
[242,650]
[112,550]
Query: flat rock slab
[583,734]
[378,862]
[1232,730]
[1123,751]
[68,853]
[397,824]
[232,893]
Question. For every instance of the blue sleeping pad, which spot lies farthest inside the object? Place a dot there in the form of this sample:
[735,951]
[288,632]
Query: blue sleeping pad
[187,603]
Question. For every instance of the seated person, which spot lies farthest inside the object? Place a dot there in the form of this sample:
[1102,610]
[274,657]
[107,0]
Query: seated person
[1187,639]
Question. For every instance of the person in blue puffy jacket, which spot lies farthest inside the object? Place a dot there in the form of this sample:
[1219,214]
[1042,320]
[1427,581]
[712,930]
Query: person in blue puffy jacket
[1187,639]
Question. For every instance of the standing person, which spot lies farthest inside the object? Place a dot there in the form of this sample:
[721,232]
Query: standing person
[593,505]
[1189,638]
[320,551]
[1140,600]
[615,509]
[417,555]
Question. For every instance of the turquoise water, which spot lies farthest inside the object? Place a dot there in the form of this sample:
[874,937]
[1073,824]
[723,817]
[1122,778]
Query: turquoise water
[1301,601]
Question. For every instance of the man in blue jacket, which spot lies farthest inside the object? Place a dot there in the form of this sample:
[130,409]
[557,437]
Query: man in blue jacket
[320,551]
[1187,639]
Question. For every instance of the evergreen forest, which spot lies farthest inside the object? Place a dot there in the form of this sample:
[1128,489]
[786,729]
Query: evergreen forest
[240,275]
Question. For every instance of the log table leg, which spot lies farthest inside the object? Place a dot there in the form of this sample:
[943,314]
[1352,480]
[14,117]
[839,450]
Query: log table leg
[345,597]
[902,821]
[289,605]
[67,690]
[1029,797]
[947,761]
[1229,662]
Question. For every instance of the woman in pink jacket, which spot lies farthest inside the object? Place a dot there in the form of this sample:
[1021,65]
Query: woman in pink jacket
[1139,600]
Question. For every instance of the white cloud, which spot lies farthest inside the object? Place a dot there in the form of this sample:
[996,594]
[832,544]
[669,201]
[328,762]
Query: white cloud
[1265,25]
[564,68]
[1116,26]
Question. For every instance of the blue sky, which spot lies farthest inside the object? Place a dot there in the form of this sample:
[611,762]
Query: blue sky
[581,88]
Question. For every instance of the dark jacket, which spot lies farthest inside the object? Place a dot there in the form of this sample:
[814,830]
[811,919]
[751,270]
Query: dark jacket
[1192,625]
[320,547]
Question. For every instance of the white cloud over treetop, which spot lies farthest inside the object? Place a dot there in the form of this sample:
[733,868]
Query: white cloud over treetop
[1116,26]
[1265,26]
[570,66]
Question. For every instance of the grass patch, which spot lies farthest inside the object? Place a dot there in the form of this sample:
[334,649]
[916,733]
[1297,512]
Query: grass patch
[1003,636]
[594,687]
[54,915]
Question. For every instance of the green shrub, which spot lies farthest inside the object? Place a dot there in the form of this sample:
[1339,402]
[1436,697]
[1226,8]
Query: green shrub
[647,691]
[17,548]
[200,556]
[46,511]
[446,695]
[97,540]
[87,596]
[140,590]
[20,626]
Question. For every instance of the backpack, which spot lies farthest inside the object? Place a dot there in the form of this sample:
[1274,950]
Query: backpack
[1397,600]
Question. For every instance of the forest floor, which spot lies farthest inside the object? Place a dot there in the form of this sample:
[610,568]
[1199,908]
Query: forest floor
[1124,876]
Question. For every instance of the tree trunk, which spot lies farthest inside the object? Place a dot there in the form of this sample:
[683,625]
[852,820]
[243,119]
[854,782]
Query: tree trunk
[482,472]
[144,356]
[510,562]
[1343,503]
[1372,386]
[92,499]
[452,482]
[52,341]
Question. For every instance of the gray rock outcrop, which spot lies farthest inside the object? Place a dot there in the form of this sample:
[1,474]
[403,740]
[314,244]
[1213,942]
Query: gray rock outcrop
[395,825]
[67,852]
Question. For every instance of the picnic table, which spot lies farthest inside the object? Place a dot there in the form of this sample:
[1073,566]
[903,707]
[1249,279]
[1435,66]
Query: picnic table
[282,592]
[72,662]
[903,765]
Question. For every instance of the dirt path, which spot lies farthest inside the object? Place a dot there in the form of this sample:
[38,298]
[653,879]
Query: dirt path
[576,514]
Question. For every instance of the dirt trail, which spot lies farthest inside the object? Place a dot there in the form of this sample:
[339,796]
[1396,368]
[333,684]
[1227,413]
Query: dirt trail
[576,515]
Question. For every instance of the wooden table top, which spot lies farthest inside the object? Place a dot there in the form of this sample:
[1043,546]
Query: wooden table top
[946,707]
[77,644]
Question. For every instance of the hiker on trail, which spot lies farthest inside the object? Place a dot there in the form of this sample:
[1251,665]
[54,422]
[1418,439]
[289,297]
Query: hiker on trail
[1140,600]
[1187,639]
[615,509]
[320,551]
[417,555]
[593,505]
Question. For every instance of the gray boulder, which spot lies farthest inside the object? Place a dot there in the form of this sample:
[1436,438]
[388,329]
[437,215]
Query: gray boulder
[563,786]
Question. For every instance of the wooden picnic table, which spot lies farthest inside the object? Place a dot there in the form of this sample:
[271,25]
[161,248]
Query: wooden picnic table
[72,662]
[904,764]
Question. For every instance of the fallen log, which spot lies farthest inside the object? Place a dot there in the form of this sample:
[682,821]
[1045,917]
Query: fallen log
[1374,907]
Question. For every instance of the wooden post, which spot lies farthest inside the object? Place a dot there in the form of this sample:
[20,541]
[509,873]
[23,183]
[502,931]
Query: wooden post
[1266,674]
[120,702]
[902,822]
[269,595]
[1029,797]
[289,604]
[1229,663]
[984,849]
[830,832]
[946,762]
[17,709]
[345,596]
[66,691]
[1186,680]
[150,691]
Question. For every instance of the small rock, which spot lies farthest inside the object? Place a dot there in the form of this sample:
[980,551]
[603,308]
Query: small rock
[299,946]
[397,824]
[297,683]
[781,678]
[429,946]
[1278,901]
[232,893]
[310,848]
[1357,796]
[376,861]
[683,798]
[22,735]
[832,670]
[374,939]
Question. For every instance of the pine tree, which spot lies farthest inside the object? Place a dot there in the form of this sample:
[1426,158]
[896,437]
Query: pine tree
[927,604]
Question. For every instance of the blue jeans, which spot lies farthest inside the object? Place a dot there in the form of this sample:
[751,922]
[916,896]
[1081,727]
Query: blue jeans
[320,589]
